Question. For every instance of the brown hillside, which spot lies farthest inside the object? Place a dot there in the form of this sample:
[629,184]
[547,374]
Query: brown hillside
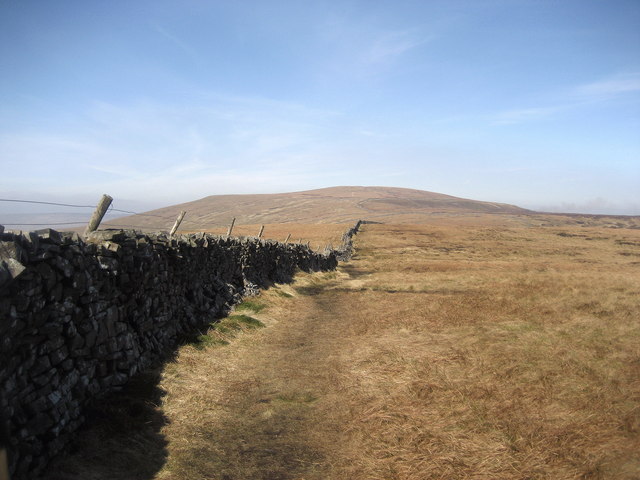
[327,205]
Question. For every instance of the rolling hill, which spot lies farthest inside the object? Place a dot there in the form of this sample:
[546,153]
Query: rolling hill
[326,205]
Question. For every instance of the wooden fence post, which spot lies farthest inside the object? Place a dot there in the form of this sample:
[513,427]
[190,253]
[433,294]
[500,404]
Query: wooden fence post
[287,239]
[4,464]
[261,231]
[231,227]
[4,444]
[178,222]
[97,216]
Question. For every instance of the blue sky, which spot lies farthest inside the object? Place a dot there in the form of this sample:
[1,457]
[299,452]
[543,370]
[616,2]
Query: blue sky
[531,102]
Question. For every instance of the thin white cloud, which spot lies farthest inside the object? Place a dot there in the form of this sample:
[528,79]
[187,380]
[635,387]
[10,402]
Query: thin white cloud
[603,90]
[511,117]
[181,44]
[390,45]
[116,170]
[611,86]
[168,188]
[363,47]
[177,151]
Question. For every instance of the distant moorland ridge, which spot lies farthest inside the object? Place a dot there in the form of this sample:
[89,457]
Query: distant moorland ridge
[326,205]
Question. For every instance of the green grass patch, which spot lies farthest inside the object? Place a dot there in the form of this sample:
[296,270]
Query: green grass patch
[204,341]
[224,329]
[227,328]
[244,320]
[251,305]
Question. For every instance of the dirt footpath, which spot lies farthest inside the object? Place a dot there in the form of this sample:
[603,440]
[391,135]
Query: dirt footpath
[267,406]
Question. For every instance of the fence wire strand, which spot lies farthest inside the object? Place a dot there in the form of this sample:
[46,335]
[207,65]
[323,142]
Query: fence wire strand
[186,224]
[46,203]
[44,224]
[105,223]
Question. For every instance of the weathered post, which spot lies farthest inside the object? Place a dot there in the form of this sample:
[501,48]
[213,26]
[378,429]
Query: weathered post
[97,216]
[285,241]
[231,227]
[178,222]
[4,465]
[4,461]
[261,231]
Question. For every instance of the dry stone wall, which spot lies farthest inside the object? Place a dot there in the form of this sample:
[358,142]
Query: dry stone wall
[345,251]
[78,318]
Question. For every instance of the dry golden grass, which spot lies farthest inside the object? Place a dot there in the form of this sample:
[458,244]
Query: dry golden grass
[511,353]
[438,352]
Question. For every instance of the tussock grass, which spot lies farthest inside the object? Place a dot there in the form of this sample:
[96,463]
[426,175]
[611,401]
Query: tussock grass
[524,366]
[222,332]
[282,293]
[246,320]
[297,397]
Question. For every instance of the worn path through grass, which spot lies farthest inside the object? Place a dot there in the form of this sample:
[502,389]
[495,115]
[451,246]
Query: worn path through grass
[254,404]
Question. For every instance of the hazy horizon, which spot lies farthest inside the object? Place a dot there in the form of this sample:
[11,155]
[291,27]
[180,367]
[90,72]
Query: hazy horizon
[531,103]
[28,216]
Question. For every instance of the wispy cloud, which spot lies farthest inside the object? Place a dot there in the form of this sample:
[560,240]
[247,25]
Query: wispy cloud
[123,171]
[206,144]
[610,87]
[600,91]
[510,117]
[390,45]
[181,44]
[366,46]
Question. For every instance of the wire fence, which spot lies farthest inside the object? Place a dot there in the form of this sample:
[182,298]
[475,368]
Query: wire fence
[155,223]
[28,223]
[45,203]
[164,221]
[112,210]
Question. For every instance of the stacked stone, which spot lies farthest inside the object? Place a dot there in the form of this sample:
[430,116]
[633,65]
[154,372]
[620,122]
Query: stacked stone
[78,318]
[345,251]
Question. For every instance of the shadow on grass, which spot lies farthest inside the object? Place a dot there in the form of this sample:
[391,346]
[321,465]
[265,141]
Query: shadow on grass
[121,438]
[256,447]
[354,271]
[310,289]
